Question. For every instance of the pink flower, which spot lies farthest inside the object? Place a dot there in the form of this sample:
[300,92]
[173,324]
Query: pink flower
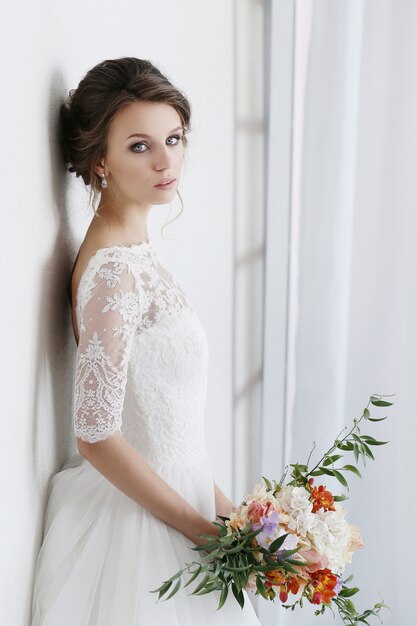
[317,560]
[356,539]
[256,510]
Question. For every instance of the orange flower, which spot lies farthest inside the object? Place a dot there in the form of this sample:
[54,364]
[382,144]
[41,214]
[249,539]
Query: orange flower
[275,576]
[293,585]
[322,499]
[324,583]
[287,585]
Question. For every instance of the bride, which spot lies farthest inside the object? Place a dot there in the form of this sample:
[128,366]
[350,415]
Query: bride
[126,509]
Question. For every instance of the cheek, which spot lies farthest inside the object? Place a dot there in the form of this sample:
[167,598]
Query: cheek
[136,164]
[179,156]
[130,166]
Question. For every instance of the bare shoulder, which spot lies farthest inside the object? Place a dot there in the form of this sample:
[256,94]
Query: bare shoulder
[96,237]
[87,249]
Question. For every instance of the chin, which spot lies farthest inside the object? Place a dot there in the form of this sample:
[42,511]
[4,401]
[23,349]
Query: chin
[164,196]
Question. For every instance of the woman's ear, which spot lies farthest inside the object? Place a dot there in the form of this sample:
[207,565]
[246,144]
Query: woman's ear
[100,169]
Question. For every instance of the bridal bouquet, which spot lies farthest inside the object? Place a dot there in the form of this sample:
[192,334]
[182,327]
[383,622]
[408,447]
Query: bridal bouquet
[290,539]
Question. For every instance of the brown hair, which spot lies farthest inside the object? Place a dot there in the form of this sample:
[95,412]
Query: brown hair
[105,89]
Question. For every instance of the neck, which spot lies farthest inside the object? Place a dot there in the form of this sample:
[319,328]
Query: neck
[128,222]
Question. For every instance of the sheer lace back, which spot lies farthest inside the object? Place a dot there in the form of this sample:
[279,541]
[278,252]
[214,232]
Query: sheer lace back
[142,356]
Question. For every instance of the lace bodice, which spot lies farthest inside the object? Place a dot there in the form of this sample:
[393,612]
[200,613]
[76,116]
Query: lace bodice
[142,357]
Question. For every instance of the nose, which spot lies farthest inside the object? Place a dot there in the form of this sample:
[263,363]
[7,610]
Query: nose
[164,158]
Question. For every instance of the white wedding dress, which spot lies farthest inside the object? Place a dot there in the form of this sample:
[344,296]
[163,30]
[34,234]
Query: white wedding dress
[141,368]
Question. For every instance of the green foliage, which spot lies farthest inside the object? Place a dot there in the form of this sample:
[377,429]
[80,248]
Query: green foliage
[348,611]
[354,441]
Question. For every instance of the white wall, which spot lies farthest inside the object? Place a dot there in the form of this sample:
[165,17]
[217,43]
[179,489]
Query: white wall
[46,48]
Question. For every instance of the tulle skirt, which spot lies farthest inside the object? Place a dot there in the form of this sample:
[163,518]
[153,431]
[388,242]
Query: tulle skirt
[102,553]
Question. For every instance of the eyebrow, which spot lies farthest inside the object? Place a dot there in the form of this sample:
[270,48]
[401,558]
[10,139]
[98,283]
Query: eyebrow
[148,136]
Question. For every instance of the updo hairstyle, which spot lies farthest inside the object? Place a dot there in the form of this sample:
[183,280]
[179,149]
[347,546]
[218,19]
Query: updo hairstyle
[86,115]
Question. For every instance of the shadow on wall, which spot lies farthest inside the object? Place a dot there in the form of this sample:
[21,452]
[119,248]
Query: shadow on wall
[52,441]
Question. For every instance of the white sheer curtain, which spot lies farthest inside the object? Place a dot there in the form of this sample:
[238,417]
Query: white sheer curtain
[346,304]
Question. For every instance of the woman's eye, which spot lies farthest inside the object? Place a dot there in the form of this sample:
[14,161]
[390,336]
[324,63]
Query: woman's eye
[140,143]
[137,144]
[177,137]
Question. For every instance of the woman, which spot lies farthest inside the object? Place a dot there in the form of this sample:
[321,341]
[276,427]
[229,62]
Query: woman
[125,511]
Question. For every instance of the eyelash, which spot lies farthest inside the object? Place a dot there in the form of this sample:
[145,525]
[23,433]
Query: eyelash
[142,143]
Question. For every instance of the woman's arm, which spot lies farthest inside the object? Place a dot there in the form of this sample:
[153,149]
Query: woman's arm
[127,469]
[224,506]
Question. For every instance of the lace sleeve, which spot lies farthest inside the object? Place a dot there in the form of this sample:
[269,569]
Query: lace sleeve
[107,324]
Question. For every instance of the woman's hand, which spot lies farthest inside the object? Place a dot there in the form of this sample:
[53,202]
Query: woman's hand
[209,529]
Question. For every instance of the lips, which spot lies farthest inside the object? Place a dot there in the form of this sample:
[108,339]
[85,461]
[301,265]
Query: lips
[166,181]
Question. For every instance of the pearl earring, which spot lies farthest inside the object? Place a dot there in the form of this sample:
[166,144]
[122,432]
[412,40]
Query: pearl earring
[103,181]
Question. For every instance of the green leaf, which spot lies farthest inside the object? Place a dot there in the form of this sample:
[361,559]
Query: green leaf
[238,595]
[222,527]
[373,442]
[223,596]
[175,589]
[264,568]
[201,583]
[368,451]
[163,588]
[176,575]
[231,568]
[297,563]
[377,419]
[366,414]
[347,593]
[218,567]
[380,402]
[275,545]
[357,439]
[356,452]
[267,482]
[254,533]
[300,466]
[234,549]
[332,459]
[194,575]
[353,469]
[211,586]
[340,498]
[345,445]
[288,568]
[341,479]
[350,607]
[261,587]
[327,471]
[315,473]
[296,471]
[284,553]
